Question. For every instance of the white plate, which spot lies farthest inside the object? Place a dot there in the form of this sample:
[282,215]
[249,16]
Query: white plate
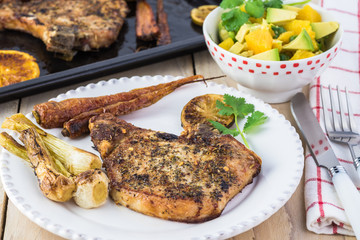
[277,143]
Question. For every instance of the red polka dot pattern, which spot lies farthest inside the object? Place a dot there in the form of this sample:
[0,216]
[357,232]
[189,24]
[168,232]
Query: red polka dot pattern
[288,68]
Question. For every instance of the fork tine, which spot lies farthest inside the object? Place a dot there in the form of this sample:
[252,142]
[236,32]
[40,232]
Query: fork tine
[343,120]
[327,122]
[350,112]
[334,121]
[348,134]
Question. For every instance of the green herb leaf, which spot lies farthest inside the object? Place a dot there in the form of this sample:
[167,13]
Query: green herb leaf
[231,3]
[223,129]
[239,105]
[255,119]
[277,30]
[233,19]
[292,37]
[255,8]
[284,57]
[240,109]
[224,110]
[273,3]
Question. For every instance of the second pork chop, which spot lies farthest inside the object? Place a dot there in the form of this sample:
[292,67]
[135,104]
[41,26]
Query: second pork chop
[187,178]
[66,26]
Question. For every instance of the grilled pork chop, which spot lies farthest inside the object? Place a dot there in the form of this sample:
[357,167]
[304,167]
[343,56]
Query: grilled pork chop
[187,178]
[66,26]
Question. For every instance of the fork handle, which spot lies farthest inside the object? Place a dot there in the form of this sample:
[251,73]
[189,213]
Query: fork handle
[349,197]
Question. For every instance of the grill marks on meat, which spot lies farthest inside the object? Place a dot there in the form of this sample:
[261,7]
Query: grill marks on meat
[66,26]
[186,178]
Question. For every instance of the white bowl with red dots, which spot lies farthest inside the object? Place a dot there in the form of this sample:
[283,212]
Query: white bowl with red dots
[271,81]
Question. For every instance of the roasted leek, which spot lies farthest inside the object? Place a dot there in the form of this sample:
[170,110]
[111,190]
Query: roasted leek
[75,160]
[53,184]
[63,171]
[10,144]
[92,188]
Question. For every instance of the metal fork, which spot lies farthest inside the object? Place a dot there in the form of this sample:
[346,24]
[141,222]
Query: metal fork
[341,127]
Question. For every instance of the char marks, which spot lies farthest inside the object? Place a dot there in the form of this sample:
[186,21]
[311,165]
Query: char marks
[66,26]
[187,178]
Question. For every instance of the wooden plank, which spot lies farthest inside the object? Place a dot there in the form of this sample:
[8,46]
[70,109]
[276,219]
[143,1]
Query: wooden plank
[19,226]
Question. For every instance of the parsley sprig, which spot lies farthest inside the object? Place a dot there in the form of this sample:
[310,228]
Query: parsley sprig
[234,18]
[238,107]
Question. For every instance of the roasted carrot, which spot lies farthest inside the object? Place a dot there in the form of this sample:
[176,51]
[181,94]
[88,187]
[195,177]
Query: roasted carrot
[146,27]
[78,125]
[164,35]
[54,114]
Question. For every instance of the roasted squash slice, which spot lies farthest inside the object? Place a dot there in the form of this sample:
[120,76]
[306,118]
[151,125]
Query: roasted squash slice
[16,66]
[199,14]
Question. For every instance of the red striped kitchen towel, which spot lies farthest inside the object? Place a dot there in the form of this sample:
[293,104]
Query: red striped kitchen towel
[324,212]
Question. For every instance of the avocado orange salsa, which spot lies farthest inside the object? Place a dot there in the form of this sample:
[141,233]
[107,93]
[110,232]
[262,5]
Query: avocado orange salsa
[271,30]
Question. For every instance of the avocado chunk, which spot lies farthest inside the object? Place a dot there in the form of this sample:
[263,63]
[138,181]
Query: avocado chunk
[270,55]
[278,15]
[291,8]
[303,42]
[244,29]
[323,29]
[224,34]
[237,48]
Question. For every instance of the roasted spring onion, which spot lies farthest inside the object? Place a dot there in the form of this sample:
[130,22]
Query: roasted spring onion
[92,188]
[57,181]
[10,144]
[52,183]
[75,160]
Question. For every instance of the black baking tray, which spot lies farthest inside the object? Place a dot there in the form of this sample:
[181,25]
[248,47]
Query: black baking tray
[121,55]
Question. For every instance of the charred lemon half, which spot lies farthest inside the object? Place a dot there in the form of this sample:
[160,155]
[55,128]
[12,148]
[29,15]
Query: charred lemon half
[199,14]
[16,66]
[203,108]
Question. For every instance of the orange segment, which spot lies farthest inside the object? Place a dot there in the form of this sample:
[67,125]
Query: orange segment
[285,36]
[301,54]
[16,66]
[308,13]
[259,40]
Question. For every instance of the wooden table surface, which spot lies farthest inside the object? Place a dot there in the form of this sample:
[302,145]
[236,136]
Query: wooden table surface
[287,223]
